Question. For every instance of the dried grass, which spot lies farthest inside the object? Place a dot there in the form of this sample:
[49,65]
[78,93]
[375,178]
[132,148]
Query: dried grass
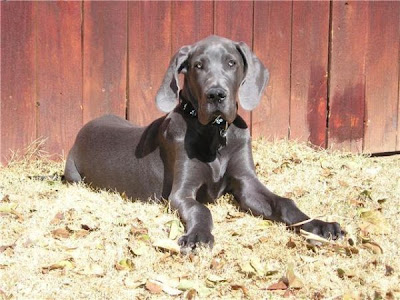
[92,253]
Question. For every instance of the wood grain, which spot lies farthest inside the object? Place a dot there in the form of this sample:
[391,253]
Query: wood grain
[59,73]
[382,76]
[18,110]
[104,59]
[309,72]
[347,75]
[149,56]
[234,20]
[191,22]
[272,44]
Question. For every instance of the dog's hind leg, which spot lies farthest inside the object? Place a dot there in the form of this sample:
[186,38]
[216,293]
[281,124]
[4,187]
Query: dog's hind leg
[71,173]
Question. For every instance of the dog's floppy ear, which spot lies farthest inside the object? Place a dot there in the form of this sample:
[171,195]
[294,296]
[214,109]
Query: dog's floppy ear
[255,79]
[167,95]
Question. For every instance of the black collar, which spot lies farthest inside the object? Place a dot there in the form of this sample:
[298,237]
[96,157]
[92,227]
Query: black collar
[189,109]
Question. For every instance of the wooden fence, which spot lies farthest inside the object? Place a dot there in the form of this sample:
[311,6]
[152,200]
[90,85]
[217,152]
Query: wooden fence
[334,66]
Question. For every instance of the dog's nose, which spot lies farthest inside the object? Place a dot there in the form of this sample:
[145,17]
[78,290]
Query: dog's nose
[216,94]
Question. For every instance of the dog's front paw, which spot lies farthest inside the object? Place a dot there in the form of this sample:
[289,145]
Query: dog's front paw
[328,230]
[195,238]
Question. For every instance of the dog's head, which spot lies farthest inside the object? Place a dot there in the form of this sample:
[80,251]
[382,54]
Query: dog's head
[218,73]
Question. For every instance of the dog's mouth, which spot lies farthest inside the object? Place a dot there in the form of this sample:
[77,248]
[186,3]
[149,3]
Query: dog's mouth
[218,116]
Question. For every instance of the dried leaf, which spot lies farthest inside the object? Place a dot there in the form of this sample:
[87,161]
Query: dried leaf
[216,264]
[176,229]
[153,287]
[374,247]
[8,207]
[5,247]
[88,228]
[247,268]
[61,265]
[124,265]
[388,270]
[6,199]
[258,267]
[131,283]
[57,218]
[203,292]
[215,278]
[291,244]
[343,183]
[168,289]
[374,218]
[185,285]
[280,285]
[138,230]
[61,233]
[236,287]
[167,245]
[294,281]
[381,201]
[365,195]
[191,294]
[298,192]
[139,248]
[340,273]
[81,233]
[288,293]
[264,224]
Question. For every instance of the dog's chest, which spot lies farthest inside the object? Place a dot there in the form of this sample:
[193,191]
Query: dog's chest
[216,170]
[215,181]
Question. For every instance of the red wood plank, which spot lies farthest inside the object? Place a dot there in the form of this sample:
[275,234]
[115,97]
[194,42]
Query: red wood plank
[308,101]
[347,75]
[149,56]
[18,112]
[398,110]
[382,76]
[191,22]
[272,44]
[59,74]
[234,20]
[104,59]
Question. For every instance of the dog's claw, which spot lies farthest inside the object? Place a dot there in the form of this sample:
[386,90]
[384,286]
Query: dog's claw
[328,230]
[194,239]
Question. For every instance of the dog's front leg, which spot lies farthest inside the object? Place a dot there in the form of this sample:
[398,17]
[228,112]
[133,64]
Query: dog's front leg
[254,197]
[197,219]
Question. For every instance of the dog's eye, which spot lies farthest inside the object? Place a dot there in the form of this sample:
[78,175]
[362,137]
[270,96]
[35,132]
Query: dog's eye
[198,65]
[231,63]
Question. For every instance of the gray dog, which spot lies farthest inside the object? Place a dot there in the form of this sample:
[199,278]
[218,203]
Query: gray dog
[200,150]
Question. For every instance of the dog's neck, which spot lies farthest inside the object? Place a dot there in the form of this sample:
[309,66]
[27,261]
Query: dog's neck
[206,140]
[188,108]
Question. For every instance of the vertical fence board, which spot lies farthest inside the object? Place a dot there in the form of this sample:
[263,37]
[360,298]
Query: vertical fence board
[59,73]
[308,101]
[398,106]
[272,44]
[347,75]
[47,77]
[227,17]
[18,112]
[149,56]
[104,59]
[382,77]
[191,21]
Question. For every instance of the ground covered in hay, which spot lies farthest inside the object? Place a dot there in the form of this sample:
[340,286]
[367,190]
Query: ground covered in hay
[68,241]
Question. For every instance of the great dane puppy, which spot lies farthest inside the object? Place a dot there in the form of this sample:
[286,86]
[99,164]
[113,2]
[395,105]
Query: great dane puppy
[197,152]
